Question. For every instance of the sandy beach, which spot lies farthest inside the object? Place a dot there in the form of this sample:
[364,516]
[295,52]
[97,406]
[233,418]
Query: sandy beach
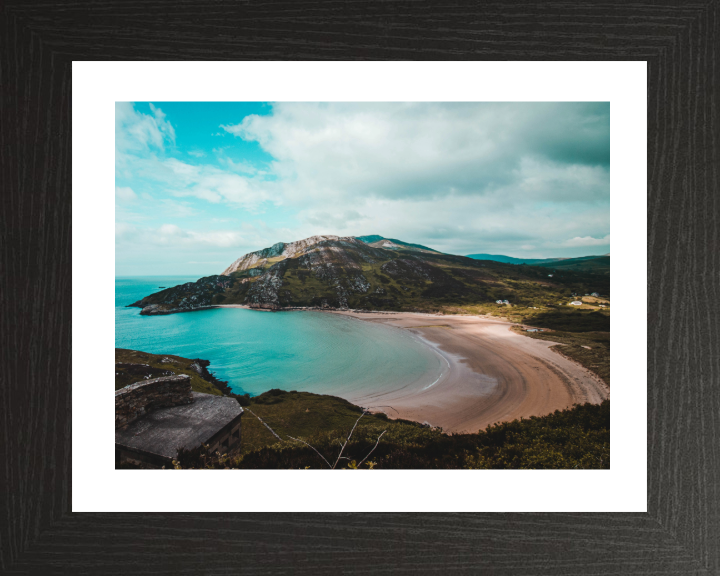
[493,374]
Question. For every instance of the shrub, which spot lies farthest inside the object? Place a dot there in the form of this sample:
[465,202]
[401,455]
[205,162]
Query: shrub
[576,438]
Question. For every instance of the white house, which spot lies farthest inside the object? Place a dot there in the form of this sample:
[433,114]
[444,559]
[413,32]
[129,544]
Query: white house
[498,301]
[550,275]
[595,294]
[575,303]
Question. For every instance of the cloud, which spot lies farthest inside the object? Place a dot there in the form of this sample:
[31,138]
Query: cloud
[136,131]
[142,144]
[173,235]
[588,241]
[172,208]
[139,137]
[125,193]
[545,180]
[424,150]
[465,176]
[337,220]
[241,167]
[213,184]
[197,153]
[517,178]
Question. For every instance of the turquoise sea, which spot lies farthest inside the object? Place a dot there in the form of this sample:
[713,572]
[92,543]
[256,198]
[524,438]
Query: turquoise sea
[256,351]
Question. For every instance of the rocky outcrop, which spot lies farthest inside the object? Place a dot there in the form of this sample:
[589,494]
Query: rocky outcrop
[290,250]
[264,291]
[394,244]
[143,397]
[159,309]
[254,258]
[263,306]
[187,297]
[201,367]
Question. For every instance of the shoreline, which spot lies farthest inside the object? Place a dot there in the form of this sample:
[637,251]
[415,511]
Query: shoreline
[494,375]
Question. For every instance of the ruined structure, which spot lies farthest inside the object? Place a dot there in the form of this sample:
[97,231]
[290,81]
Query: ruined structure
[155,418]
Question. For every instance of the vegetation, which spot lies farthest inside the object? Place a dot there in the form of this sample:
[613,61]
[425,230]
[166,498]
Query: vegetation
[596,264]
[575,438]
[348,273]
[569,320]
[132,366]
[304,430]
[590,349]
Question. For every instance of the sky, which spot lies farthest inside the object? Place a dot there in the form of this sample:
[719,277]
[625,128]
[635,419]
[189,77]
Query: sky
[199,184]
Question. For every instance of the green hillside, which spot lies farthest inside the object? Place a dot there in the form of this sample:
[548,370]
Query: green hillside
[133,366]
[349,273]
[573,438]
[510,259]
[597,264]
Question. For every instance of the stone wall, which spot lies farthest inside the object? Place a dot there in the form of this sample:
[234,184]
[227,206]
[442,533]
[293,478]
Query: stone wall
[138,399]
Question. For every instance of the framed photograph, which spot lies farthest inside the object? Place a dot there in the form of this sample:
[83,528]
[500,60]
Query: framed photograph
[294,344]
[400,270]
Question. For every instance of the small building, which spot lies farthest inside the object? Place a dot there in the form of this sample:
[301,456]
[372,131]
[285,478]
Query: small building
[575,303]
[155,418]
[550,275]
[498,301]
[533,330]
[595,294]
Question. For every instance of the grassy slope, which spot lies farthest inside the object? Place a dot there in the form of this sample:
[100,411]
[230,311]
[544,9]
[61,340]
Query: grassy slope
[600,264]
[125,375]
[585,335]
[297,414]
[575,346]
[456,285]
[578,437]
[439,283]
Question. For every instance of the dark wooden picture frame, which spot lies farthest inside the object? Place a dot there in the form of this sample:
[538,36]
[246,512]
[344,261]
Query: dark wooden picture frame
[680,533]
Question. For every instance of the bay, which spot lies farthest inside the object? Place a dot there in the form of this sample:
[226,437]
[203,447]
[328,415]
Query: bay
[256,351]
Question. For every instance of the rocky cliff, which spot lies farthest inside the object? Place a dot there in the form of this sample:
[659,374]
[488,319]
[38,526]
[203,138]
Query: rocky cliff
[279,250]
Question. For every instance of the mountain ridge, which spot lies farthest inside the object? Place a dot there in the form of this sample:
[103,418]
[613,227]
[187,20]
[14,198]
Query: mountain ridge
[340,272]
[536,261]
[251,259]
[382,242]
